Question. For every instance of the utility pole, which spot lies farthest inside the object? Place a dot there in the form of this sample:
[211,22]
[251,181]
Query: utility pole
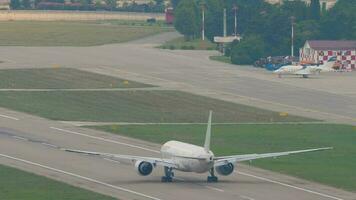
[202,4]
[235,8]
[224,30]
[292,18]
[224,22]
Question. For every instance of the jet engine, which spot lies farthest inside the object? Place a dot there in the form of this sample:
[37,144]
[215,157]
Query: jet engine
[225,169]
[143,168]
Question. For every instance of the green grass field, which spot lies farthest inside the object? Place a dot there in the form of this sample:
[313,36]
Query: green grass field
[134,106]
[334,167]
[37,33]
[196,44]
[60,78]
[20,185]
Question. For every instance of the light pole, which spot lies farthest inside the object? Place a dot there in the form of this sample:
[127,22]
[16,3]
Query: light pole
[202,4]
[224,22]
[224,31]
[235,8]
[292,18]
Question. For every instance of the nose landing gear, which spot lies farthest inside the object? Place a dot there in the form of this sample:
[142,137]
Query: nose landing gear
[168,177]
[212,178]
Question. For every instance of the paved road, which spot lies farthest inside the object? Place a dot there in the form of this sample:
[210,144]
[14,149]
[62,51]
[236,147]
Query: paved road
[330,97]
[33,144]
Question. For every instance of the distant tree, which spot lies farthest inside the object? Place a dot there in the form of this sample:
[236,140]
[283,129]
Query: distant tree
[298,9]
[186,19]
[277,33]
[86,2]
[248,50]
[213,19]
[339,22]
[315,9]
[36,2]
[97,3]
[15,4]
[112,4]
[159,2]
[323,9]
[175,3]
[26,4]
[55,1]
[252,16]
[125,4]
[306,30]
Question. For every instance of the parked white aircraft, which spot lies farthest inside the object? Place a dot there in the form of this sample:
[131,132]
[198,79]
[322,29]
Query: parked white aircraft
[186,157]
[306,70]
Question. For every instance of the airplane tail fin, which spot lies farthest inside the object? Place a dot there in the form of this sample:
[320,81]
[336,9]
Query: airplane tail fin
[329,64]
[208,134]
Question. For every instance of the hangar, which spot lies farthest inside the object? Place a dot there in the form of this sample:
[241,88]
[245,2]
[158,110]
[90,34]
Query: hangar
[319,51]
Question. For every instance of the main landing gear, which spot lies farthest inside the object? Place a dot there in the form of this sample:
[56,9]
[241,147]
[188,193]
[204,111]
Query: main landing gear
[212,178]
[168,177]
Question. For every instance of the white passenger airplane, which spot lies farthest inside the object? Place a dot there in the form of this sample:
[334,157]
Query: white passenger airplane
[306,70]
[186,157]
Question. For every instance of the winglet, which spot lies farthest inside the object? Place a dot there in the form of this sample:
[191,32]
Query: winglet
[208,134]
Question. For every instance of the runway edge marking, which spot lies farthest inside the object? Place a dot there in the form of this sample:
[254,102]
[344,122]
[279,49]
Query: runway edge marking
[104,139]
[290,186]
[9,117]
[79,176]
[246,197]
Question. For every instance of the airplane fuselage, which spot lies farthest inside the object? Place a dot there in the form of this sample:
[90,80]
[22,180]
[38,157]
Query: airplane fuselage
[288,69]
[188,157]
[297,69]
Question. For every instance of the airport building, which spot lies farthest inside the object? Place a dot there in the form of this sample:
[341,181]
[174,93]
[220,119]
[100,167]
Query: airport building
[319,51]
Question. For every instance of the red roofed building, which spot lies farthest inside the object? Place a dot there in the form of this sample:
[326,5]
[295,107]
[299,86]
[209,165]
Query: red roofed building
[319,51]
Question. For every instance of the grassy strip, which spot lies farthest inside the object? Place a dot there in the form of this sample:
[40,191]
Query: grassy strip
[223,59]
[60,78]
[196,44]
[134,106]
[335,167]
[39,33]
[18,185]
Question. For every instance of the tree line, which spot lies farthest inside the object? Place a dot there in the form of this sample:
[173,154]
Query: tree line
[266,28]
[111,5]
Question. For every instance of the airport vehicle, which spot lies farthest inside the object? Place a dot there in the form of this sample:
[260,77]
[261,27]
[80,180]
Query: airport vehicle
[273,63]
[306,70]
[186,157]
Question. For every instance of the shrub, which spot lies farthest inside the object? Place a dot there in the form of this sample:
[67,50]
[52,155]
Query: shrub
[248,50]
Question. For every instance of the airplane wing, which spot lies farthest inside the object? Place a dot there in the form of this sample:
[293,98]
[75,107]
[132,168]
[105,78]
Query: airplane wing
[219,161]
[154,161]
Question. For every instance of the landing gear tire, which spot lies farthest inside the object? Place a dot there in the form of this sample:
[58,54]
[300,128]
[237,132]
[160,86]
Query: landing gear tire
[168,175]
[212,178]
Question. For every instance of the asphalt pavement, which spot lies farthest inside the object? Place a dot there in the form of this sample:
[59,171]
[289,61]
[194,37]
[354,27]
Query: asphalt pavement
[34,144]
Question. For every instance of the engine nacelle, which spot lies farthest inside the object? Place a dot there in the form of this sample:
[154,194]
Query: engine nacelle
[143,168]
[225,169]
